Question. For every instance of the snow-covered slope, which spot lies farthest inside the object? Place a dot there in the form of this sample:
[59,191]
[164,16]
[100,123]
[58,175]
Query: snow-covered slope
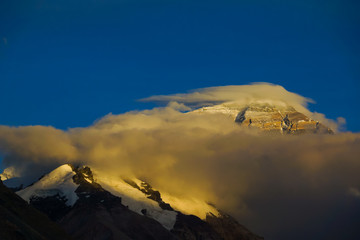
[190,206]
[137,195]
[137,201]
[81,200]
[186,205]
[59,181]
[132,193]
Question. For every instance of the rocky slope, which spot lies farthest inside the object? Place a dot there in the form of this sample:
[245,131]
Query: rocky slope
[92,206]
[20,221]
[269,118]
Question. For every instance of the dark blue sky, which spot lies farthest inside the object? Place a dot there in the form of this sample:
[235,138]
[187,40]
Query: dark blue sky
[67,63]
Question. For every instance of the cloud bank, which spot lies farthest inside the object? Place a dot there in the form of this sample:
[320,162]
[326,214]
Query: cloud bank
[275,185]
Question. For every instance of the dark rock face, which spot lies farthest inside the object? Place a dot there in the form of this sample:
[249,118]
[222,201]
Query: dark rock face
[190,227]
[109,219]
[81,174]
[151,193]
[53,206]
[100,215]
[85,187]
[228,228]
[213,228]
[240,117]
[20,221]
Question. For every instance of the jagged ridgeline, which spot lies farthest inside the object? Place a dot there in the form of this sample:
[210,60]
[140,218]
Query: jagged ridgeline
[269,118]
[89,205]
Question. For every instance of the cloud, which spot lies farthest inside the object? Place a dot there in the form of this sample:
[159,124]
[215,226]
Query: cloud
[35,145]
[271,183]
[239,93]
[245,95]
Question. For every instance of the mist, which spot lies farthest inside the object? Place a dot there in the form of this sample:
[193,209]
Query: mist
[281,187]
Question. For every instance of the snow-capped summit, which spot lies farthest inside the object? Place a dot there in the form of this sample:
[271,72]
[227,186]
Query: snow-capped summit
[276,118]
[92,205]
[59,183]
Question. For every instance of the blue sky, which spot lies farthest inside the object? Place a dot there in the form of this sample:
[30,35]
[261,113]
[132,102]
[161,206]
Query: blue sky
[68,63]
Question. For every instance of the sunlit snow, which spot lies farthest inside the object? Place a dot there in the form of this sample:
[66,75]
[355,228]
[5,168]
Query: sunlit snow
[137,200]
[58,181]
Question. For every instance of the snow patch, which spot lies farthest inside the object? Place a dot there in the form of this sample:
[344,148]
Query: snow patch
[87,179]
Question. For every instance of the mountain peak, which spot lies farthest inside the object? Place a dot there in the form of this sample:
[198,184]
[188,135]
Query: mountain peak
[58,182]
[81,200]
[269,117]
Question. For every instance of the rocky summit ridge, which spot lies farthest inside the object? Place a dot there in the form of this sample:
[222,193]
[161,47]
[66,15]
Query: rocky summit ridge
[269,118]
